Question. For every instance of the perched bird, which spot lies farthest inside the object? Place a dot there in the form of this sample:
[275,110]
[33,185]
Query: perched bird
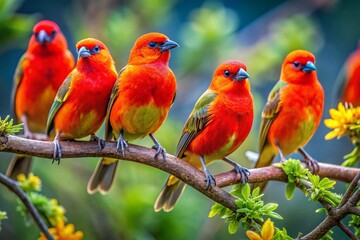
[140,102]
[79,108]
[293,111]
[38,76]
[349,80]
[220,121]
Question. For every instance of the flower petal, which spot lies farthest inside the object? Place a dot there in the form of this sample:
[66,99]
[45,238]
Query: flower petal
[267,230]
[253,235]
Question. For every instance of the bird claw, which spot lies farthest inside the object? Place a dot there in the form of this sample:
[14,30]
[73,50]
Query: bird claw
[57,152]
[209,179]
[312,164]
[121,145]
[244,173]
[159,150]
[100,142]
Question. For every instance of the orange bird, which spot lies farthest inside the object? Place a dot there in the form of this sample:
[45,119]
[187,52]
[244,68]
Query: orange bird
[293,111]
[220,121]
[79,107]
[140,102]
[38,76]
[349,79]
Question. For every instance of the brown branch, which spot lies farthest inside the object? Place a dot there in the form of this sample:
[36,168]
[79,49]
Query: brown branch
[347,206]
[179,168]
[13,186]
[172,165]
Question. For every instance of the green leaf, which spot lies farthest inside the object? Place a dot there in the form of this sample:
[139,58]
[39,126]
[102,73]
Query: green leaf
[245,191]
[290,190]
[233,227]
[275,215]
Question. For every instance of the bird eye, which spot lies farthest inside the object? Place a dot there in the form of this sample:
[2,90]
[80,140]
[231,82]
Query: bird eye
[53,33]
[297,65]
[96,49]
[227,73]
[152,44]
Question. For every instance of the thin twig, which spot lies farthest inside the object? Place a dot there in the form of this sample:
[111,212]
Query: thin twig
[350,190]
[347,231]
[13,186]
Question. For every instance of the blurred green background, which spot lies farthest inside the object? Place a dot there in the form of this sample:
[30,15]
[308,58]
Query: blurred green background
[260,33]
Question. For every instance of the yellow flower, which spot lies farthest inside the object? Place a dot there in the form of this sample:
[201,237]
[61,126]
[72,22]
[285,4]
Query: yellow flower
[343,121]
[63,232]
[58,213]
[31,183]
[267,232]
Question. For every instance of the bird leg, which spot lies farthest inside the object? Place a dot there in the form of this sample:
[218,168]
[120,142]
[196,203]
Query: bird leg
[244,172]
[28,134]
[57,149]
[282,156]
[158,147]
[100,142]
[209,178]
[121,143]
[312,163]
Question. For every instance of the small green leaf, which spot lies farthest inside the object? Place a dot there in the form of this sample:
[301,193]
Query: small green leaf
[290,190]
[233,227]
[245,191]
[275,215]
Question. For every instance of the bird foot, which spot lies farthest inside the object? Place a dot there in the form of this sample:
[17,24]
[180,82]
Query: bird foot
[100,142]
[159,150]
[312,164]
[244,173]
[121,145]
[57,151]
[210,179]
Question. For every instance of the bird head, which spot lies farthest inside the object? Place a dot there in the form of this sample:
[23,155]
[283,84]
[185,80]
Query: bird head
[230,75]
[298,67]
[93,51]
[47,37]
[151,47]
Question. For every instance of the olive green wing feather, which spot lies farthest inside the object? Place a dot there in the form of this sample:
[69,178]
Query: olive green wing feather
[61,96]
[198,119]
[270,112]
[113,96]
[19,73]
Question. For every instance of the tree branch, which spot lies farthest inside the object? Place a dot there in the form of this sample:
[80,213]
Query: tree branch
[178,168]
[13,186]
[346,206]
[172,165]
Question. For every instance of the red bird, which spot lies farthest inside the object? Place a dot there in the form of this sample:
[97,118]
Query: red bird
[349,79]
[219,123]
[38,76]
[140,102]
[293,111]
[79,107]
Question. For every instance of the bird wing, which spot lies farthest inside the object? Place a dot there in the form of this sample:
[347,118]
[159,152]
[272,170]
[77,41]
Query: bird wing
[198,119]
[19,73]
[270,112]
[61,96]
[113,96]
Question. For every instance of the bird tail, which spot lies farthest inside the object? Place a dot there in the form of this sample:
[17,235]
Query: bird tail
[103,177]
[169,195]
[265,159]
[19,164]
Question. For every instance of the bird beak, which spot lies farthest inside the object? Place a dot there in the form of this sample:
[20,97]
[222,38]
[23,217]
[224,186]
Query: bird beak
[83,52]
[167,45]
[241,74]
[42,37]
[309,66]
